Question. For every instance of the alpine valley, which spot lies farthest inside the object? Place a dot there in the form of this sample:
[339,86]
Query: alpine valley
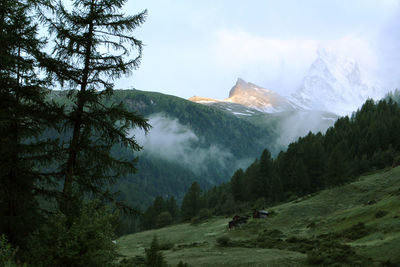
[263,149]
[206,140]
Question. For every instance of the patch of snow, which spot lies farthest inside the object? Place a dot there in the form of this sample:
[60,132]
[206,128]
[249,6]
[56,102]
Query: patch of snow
[240,113]
[206,102]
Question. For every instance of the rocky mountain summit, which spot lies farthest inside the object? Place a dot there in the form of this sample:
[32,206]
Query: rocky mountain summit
[252,96]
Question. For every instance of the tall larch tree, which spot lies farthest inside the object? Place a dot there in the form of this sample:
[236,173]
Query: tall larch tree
[93,45]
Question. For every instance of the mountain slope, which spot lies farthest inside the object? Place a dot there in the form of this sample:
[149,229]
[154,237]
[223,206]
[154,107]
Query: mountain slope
[360,218]
[209,123]
[188,142]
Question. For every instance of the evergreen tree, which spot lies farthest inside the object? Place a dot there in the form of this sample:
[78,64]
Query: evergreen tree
[252,177]
[338,168]
[266,174]
[23,116]
[148,218]
[93,42]
[151,217]
[154,257]
[172,208]
[237,186]
[191,203]
[159,205]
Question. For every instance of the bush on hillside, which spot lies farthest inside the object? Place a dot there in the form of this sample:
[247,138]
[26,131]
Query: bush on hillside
[182,264]
[163,219]
[223,241]
[137,261]
[203,215]
[333,253]
[381,213]
[355,232]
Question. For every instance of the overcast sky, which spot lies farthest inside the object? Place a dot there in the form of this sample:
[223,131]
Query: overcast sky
[201,47]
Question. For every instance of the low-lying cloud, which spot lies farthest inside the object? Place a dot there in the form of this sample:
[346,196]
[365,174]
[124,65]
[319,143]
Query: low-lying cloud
[172,141]
[301,123]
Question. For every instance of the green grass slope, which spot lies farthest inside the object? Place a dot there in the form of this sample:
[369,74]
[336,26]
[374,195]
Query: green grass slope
[354,224]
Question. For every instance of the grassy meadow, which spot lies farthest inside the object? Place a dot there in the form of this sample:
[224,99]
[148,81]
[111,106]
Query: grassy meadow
[354,224]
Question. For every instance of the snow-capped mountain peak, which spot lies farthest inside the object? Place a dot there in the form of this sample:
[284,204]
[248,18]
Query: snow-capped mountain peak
[334,83]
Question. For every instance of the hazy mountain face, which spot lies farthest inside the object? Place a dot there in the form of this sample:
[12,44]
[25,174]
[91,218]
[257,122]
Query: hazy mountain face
[334,84]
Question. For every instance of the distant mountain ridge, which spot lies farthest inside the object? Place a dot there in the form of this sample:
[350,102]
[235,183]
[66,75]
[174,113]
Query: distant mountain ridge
[333,84]
[252,96]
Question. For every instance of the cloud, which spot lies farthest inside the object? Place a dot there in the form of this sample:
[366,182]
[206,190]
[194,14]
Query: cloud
[280,64]
[389,52]
[170,140]
[299,124]
[262,59]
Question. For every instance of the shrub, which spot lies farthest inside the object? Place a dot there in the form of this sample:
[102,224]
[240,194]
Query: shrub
[195,220]
[182,264]
[311,225]
[136,261]
[381,213]
[396,161]
[163,219]
[166,246]
[204,214]
[259,203]
[333,253]
[223,241]
[356,231]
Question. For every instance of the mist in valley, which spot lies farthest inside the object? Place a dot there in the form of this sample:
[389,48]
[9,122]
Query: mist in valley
[169,140]
[300,123]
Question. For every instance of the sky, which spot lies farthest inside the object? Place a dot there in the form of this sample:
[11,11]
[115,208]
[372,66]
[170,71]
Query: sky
[201,47]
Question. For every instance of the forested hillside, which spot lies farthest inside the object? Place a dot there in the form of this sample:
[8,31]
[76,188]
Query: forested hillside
[188,142]
[367,141]
[210,123]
